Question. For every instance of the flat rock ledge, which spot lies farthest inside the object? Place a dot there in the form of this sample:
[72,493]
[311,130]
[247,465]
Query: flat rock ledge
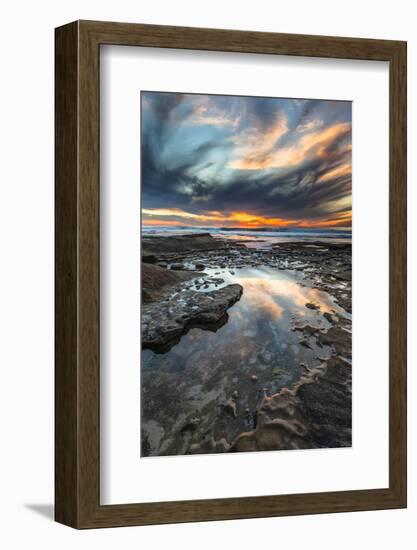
[164,323]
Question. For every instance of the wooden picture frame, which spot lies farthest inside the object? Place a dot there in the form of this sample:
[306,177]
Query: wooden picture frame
[77,405]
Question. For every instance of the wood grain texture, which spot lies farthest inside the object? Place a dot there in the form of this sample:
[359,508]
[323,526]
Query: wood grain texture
[66,237]
[398,273]
[78,284]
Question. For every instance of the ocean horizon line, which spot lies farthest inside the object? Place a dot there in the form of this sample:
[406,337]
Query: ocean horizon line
[271,229]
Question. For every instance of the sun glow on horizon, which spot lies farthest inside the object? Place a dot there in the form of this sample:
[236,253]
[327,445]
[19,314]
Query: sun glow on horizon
[177,217]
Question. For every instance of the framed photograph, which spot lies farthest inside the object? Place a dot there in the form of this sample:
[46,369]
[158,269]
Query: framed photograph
[230,274]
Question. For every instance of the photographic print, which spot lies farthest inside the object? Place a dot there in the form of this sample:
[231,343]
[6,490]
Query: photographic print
[246,245]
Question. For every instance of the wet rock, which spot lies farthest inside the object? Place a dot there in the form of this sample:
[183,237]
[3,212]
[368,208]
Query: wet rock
[221,446]
[157,281]
[327,404]
[265,357]
[235,394]
[148,258]
[215,280]
[329,317]
[179,244]
[177,266]
[309,305]
[307,330]
[229,407]
[276,434]
[204,447]
[316,412]
[339,339]
[200,265]
[192,424]
[299,418]
[254,378]
[305,343]
[145,445]
[210,445]
[250,419]
[167,321]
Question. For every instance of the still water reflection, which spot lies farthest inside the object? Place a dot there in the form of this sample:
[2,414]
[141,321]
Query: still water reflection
[258,340]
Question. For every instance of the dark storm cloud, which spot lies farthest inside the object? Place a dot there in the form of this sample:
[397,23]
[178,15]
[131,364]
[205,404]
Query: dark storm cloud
[277,158]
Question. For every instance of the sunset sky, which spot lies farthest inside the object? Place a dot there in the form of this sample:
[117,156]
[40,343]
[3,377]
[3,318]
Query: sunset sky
[228,161]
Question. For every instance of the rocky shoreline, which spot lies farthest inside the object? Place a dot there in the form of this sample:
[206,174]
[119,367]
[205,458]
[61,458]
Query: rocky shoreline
[163,323]
[254,409]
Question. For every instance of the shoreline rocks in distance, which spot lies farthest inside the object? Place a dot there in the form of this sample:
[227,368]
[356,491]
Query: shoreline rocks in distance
[154,246]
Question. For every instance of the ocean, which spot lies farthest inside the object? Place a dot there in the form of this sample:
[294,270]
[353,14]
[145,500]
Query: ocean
[262,237]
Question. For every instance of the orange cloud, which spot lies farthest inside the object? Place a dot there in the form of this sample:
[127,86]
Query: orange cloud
[342,170]
[252,220]
[254,145]
[309,126]
[206,217]
[339,219]
[315,142]
[205,113]
[163,216]
[157,222]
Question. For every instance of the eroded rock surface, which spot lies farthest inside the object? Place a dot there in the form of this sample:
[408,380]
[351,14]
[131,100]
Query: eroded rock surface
[158,245]
[157,281]
[163,323]
[316,412]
